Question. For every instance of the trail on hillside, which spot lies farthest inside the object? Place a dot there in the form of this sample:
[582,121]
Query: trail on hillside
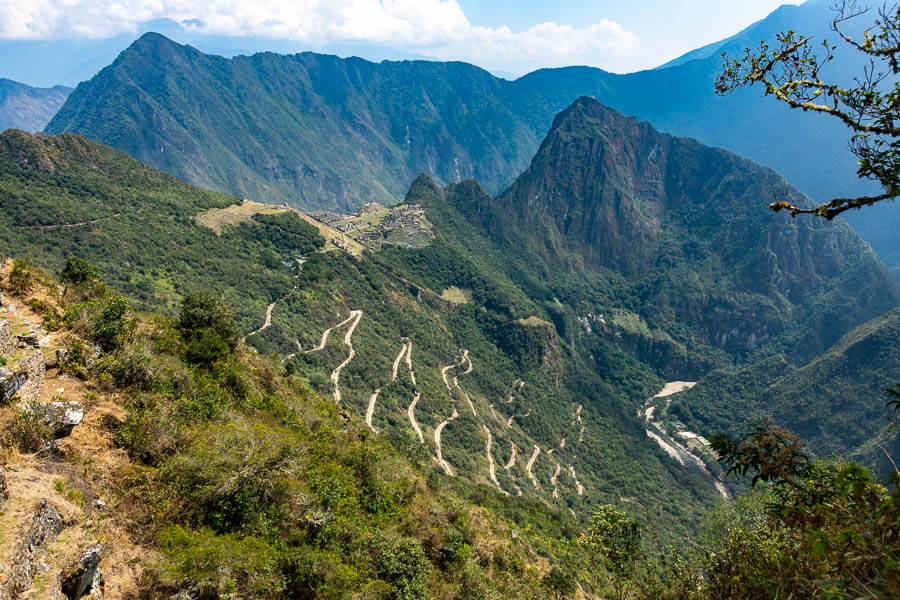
[370,411]
[491,467]
[348,340]
[530,464]
[269,309]
[553,479]
[412,418]
[412,374]
[578,485]
[437,443]
[68,225]
[327,332]
[512,457]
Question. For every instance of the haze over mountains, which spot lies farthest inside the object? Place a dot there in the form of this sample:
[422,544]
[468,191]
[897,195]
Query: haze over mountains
[619,256]
[319,131]
[334,328]
[28,108]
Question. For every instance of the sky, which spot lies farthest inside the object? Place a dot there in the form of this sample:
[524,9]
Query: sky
[513,36]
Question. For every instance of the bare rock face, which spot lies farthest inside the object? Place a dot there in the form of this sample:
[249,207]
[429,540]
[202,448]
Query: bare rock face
[45,526]
[83,577]
[33,367]
[7,340]
[62,417]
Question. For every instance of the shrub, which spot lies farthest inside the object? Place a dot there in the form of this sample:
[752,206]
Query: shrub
[77,272]
[233,473]
[403,564]
[29,431]
[214,566]
[21,277]
[109,324]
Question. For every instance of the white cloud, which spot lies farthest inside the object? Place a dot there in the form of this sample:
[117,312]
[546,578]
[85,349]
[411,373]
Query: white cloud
[437,28]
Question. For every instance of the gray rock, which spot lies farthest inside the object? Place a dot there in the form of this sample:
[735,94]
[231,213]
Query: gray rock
[62,417]
[10,383]
[84,577]
[29,339]
[45,526]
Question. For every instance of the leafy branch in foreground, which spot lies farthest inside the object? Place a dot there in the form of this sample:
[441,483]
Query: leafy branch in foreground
[791,71]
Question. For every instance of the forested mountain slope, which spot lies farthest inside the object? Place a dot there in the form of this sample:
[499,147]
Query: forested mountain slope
[318,131]
[29,108]
[837,402]
[509,363]
[679,221]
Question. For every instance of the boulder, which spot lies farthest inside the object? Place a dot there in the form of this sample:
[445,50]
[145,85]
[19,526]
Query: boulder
[29,339]
[26,563]
[62,417]
[83,577]
[7,340]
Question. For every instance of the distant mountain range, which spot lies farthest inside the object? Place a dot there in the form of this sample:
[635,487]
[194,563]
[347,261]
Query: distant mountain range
[29,108]
[318,131]
[620,258]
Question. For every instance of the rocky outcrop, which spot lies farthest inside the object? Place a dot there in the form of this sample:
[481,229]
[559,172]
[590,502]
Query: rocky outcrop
[82,578]
[27,561]
[4,487]
[7,341]
[62,417]
[33,367]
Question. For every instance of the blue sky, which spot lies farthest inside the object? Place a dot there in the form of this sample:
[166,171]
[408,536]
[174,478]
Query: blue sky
[514,36]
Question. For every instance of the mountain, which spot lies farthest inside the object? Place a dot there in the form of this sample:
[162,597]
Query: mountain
[28,108]
[680,223]
[837,402]
[480,346]
[69,61]
[511,338]
[317,131]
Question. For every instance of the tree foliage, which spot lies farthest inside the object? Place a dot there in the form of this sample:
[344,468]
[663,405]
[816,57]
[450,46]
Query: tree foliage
[789,70]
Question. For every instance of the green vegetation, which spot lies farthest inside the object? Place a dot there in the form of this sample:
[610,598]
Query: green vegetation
[836,402]
[68,198]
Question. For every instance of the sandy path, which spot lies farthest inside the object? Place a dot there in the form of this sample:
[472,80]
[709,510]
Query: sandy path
[266,323]
[580,422]
[370,411]
[578,485]
[492,469]
[437,443]
[512,458]
[396,364]
[412,374]
[327,332]
[465,395]
[530,464]
[336,374]
[553,480]
[412,418]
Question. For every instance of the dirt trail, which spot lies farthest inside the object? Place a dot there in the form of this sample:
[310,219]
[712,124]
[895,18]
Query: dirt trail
[491,467]
[553,480]
[327,332]
[578,485]
[412,418]
[465,395]
[512,458]
[370,412]
[530,464]
[437,443]
[580,422]
[396,364]
[412,374]
[69,225]
[336,374]
[266,323]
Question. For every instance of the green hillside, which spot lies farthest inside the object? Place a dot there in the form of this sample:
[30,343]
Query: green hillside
[837,402]
[514,349]
[322,132]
